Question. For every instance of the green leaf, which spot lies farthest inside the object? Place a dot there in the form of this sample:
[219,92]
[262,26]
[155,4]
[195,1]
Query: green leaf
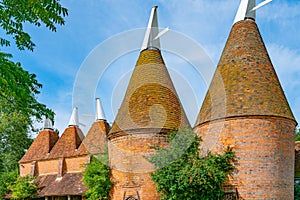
[192,175]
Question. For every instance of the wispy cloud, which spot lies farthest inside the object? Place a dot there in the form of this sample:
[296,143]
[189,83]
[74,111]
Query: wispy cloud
[59,55]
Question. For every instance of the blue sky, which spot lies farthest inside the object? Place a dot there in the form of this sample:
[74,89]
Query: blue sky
[58,56]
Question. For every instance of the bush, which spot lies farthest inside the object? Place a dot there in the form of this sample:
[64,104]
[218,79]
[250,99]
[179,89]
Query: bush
[191,176]
[24,187]
[7,179]
[96,177]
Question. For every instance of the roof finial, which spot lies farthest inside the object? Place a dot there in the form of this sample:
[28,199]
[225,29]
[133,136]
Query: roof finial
[247,9]
[48,124]
[152,33]
[99,111]
[74,118]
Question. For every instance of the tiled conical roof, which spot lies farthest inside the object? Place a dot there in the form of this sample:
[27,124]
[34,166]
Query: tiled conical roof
[68,144]
[41,146]
[95,140]
[245,82]
[151,101]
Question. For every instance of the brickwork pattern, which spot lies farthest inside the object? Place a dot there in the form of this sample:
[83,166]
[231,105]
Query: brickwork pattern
[25,168]
[150,108]
[47,167]
[245,108]
[130,167]
[245,82]
[264,148]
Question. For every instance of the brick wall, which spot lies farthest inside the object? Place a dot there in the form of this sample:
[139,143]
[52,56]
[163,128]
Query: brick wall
[43,167]
[264,148]
[25,168]
[47,167]
[76,164]
[130,168]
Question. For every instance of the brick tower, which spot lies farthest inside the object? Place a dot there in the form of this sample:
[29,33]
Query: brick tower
[149,109]
[245,108]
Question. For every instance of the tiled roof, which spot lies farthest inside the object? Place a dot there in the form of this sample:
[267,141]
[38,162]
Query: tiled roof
[95,140]
[245,82]
[151,101]
[41,146]
[69,184]
[68,144]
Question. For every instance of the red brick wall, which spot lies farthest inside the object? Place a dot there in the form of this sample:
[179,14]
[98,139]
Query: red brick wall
[76,164]
[264,148]
[130,169]
[25,168]
[70,165]
[47,167]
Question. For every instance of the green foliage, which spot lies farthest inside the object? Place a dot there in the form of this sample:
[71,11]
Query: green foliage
[18,88]
[24,187]
[191,176]
[7,179]
[297,190]
[15,13]
[18,110]
[96,177]
[297,134]
[14,140]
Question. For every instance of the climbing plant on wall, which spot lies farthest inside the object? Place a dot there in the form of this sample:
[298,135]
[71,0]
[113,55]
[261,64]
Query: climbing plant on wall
[192,175]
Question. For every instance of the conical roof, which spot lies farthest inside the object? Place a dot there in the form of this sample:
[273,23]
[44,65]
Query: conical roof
[96,139]
[151,101]
[68,144]
[41,146]
[245,82]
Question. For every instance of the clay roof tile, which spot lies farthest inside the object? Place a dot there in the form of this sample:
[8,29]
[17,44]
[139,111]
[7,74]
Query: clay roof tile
[245,82]
[68,144]
[41,146]
[151,101]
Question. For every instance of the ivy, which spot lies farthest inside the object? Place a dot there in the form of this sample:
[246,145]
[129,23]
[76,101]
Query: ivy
[191,175]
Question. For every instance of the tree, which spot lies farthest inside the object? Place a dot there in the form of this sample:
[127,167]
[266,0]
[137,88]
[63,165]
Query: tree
[190,176]
[7,179]
[23,188]
[15,13]
[19,107]
[14,140]
[96,177]
[297,134]
[19,89]
[297,190]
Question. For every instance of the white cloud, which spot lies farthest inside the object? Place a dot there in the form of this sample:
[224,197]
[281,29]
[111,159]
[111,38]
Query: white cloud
[59,55]
[286,63]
